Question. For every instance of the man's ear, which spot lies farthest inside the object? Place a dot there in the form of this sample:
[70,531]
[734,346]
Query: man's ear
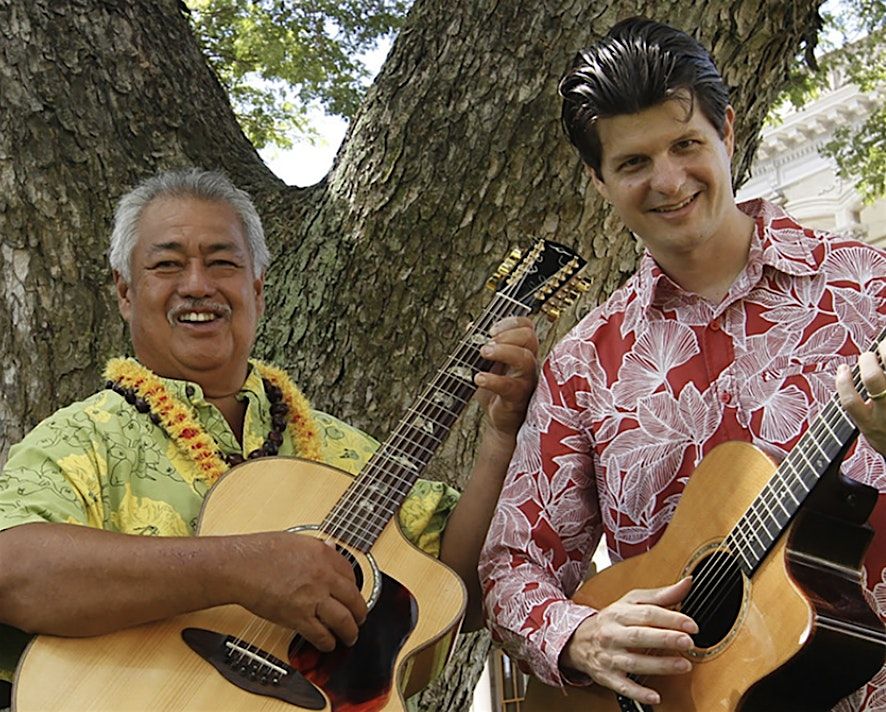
[599,185]
[259,287]
[729,130]
[124,303]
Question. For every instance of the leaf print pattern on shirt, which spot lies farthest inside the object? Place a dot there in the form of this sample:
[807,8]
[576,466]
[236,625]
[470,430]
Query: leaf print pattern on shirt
[644,387]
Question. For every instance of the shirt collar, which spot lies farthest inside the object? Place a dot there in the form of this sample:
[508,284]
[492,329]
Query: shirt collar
[778,242]
[191,392]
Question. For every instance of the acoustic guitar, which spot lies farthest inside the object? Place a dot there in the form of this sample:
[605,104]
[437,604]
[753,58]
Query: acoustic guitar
[225,658]
[775,553]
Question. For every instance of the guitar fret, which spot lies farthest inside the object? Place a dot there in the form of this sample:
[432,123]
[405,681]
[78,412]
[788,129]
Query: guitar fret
[402,439]
[363,511]
[764,521]
[833,435]
[444,399]
[427,417]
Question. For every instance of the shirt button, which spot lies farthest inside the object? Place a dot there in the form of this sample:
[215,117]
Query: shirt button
[715,325]
[725,398]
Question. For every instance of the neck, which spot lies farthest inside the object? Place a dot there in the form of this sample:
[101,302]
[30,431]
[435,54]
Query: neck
[220,387]
[217,385]
[233,410]
[710,269]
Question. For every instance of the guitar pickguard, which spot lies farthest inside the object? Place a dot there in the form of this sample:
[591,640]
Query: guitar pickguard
[361,678]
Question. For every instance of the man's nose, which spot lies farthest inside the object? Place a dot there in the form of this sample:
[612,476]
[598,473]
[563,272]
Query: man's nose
[196,280]
[668,176]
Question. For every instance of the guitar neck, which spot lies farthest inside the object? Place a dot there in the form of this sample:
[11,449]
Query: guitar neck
[821,445]
[359,517]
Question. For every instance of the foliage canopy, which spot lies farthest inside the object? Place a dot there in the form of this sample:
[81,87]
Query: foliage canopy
[277,58]
[854,41]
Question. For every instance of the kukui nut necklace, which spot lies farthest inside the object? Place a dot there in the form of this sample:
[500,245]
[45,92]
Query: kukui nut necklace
[147,393]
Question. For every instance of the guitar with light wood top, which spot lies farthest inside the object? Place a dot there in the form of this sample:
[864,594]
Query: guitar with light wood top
[226,658]
[775,554]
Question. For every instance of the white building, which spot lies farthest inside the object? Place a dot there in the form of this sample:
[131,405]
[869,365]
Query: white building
[789,170]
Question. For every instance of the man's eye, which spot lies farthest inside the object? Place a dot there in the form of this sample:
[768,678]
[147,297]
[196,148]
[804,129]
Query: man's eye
[166,264]
[631,163]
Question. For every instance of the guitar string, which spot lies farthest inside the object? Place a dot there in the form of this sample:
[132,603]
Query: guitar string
[407,441]
[733,582]
[709,594]
[261,635]
[744,528]
[375,475]
[814,434]
[265,629]
[402,438]
[472,362]
[403,442]
[708,589]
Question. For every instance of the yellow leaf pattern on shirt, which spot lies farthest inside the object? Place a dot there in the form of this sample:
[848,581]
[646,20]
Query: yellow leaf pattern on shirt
[146,516]
[86,480]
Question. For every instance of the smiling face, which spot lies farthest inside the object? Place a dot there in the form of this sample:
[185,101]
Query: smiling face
[670,181]
[193,303]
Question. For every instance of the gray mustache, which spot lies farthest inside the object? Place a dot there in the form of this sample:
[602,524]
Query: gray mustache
[205,305]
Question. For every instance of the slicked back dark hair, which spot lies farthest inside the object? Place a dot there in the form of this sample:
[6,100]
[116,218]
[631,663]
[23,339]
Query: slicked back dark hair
[638,64]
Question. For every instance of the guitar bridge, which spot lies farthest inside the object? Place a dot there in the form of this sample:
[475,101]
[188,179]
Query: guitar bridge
[252,669]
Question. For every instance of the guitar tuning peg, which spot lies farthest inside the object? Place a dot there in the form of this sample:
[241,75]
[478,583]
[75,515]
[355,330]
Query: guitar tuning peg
[582,285]
[515,255]
[551,312]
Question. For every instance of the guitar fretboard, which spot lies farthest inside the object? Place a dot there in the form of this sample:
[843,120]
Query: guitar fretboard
[359,517]
[773,509]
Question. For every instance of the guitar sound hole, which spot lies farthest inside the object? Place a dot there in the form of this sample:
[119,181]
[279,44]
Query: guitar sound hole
[358,571]
[715,600]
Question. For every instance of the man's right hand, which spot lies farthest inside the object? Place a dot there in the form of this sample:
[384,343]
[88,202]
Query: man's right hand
[301,583]
[633,636]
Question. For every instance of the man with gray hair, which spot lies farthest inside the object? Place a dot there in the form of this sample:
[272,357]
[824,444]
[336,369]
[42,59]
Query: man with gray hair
[132,464]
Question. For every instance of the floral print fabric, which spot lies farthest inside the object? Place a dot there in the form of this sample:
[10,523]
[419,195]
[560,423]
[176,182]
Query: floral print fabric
[646,385]
[100,463]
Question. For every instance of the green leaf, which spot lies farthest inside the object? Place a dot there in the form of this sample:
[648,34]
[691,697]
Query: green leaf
[277,59]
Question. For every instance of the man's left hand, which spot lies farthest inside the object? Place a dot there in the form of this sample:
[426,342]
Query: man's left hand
[505,391]
[869,415]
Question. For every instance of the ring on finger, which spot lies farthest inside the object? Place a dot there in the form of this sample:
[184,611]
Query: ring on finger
[877,396]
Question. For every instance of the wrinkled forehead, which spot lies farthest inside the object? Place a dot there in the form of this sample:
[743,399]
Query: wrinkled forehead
[185,223]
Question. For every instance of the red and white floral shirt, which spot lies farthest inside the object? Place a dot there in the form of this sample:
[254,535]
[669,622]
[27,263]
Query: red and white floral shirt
[646,385]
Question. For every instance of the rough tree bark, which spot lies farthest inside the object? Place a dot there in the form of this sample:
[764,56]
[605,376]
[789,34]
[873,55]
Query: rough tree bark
[455,156]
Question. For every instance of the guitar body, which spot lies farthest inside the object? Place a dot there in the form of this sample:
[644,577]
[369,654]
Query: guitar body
[225,658]
[403,645]
[797,636]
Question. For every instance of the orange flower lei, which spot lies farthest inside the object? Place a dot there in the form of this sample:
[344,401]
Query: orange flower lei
[190,437]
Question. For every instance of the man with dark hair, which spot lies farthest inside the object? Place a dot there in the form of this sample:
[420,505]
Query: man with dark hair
[734,327]
[131,465]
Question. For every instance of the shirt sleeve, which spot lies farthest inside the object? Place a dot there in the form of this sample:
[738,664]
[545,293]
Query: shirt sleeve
[54,474]
[426,509]
[543,533]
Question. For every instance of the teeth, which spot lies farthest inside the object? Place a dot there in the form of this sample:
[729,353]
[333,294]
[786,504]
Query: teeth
[196,316]
[669,208]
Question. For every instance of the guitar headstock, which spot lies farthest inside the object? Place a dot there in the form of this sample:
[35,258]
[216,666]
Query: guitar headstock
[544,277]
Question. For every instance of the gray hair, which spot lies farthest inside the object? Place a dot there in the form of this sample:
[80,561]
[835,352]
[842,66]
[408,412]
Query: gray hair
[186,183]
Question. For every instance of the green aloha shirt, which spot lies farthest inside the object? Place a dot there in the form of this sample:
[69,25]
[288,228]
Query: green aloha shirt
[101,463]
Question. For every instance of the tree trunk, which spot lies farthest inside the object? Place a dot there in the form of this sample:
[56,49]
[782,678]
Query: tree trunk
[455,156]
